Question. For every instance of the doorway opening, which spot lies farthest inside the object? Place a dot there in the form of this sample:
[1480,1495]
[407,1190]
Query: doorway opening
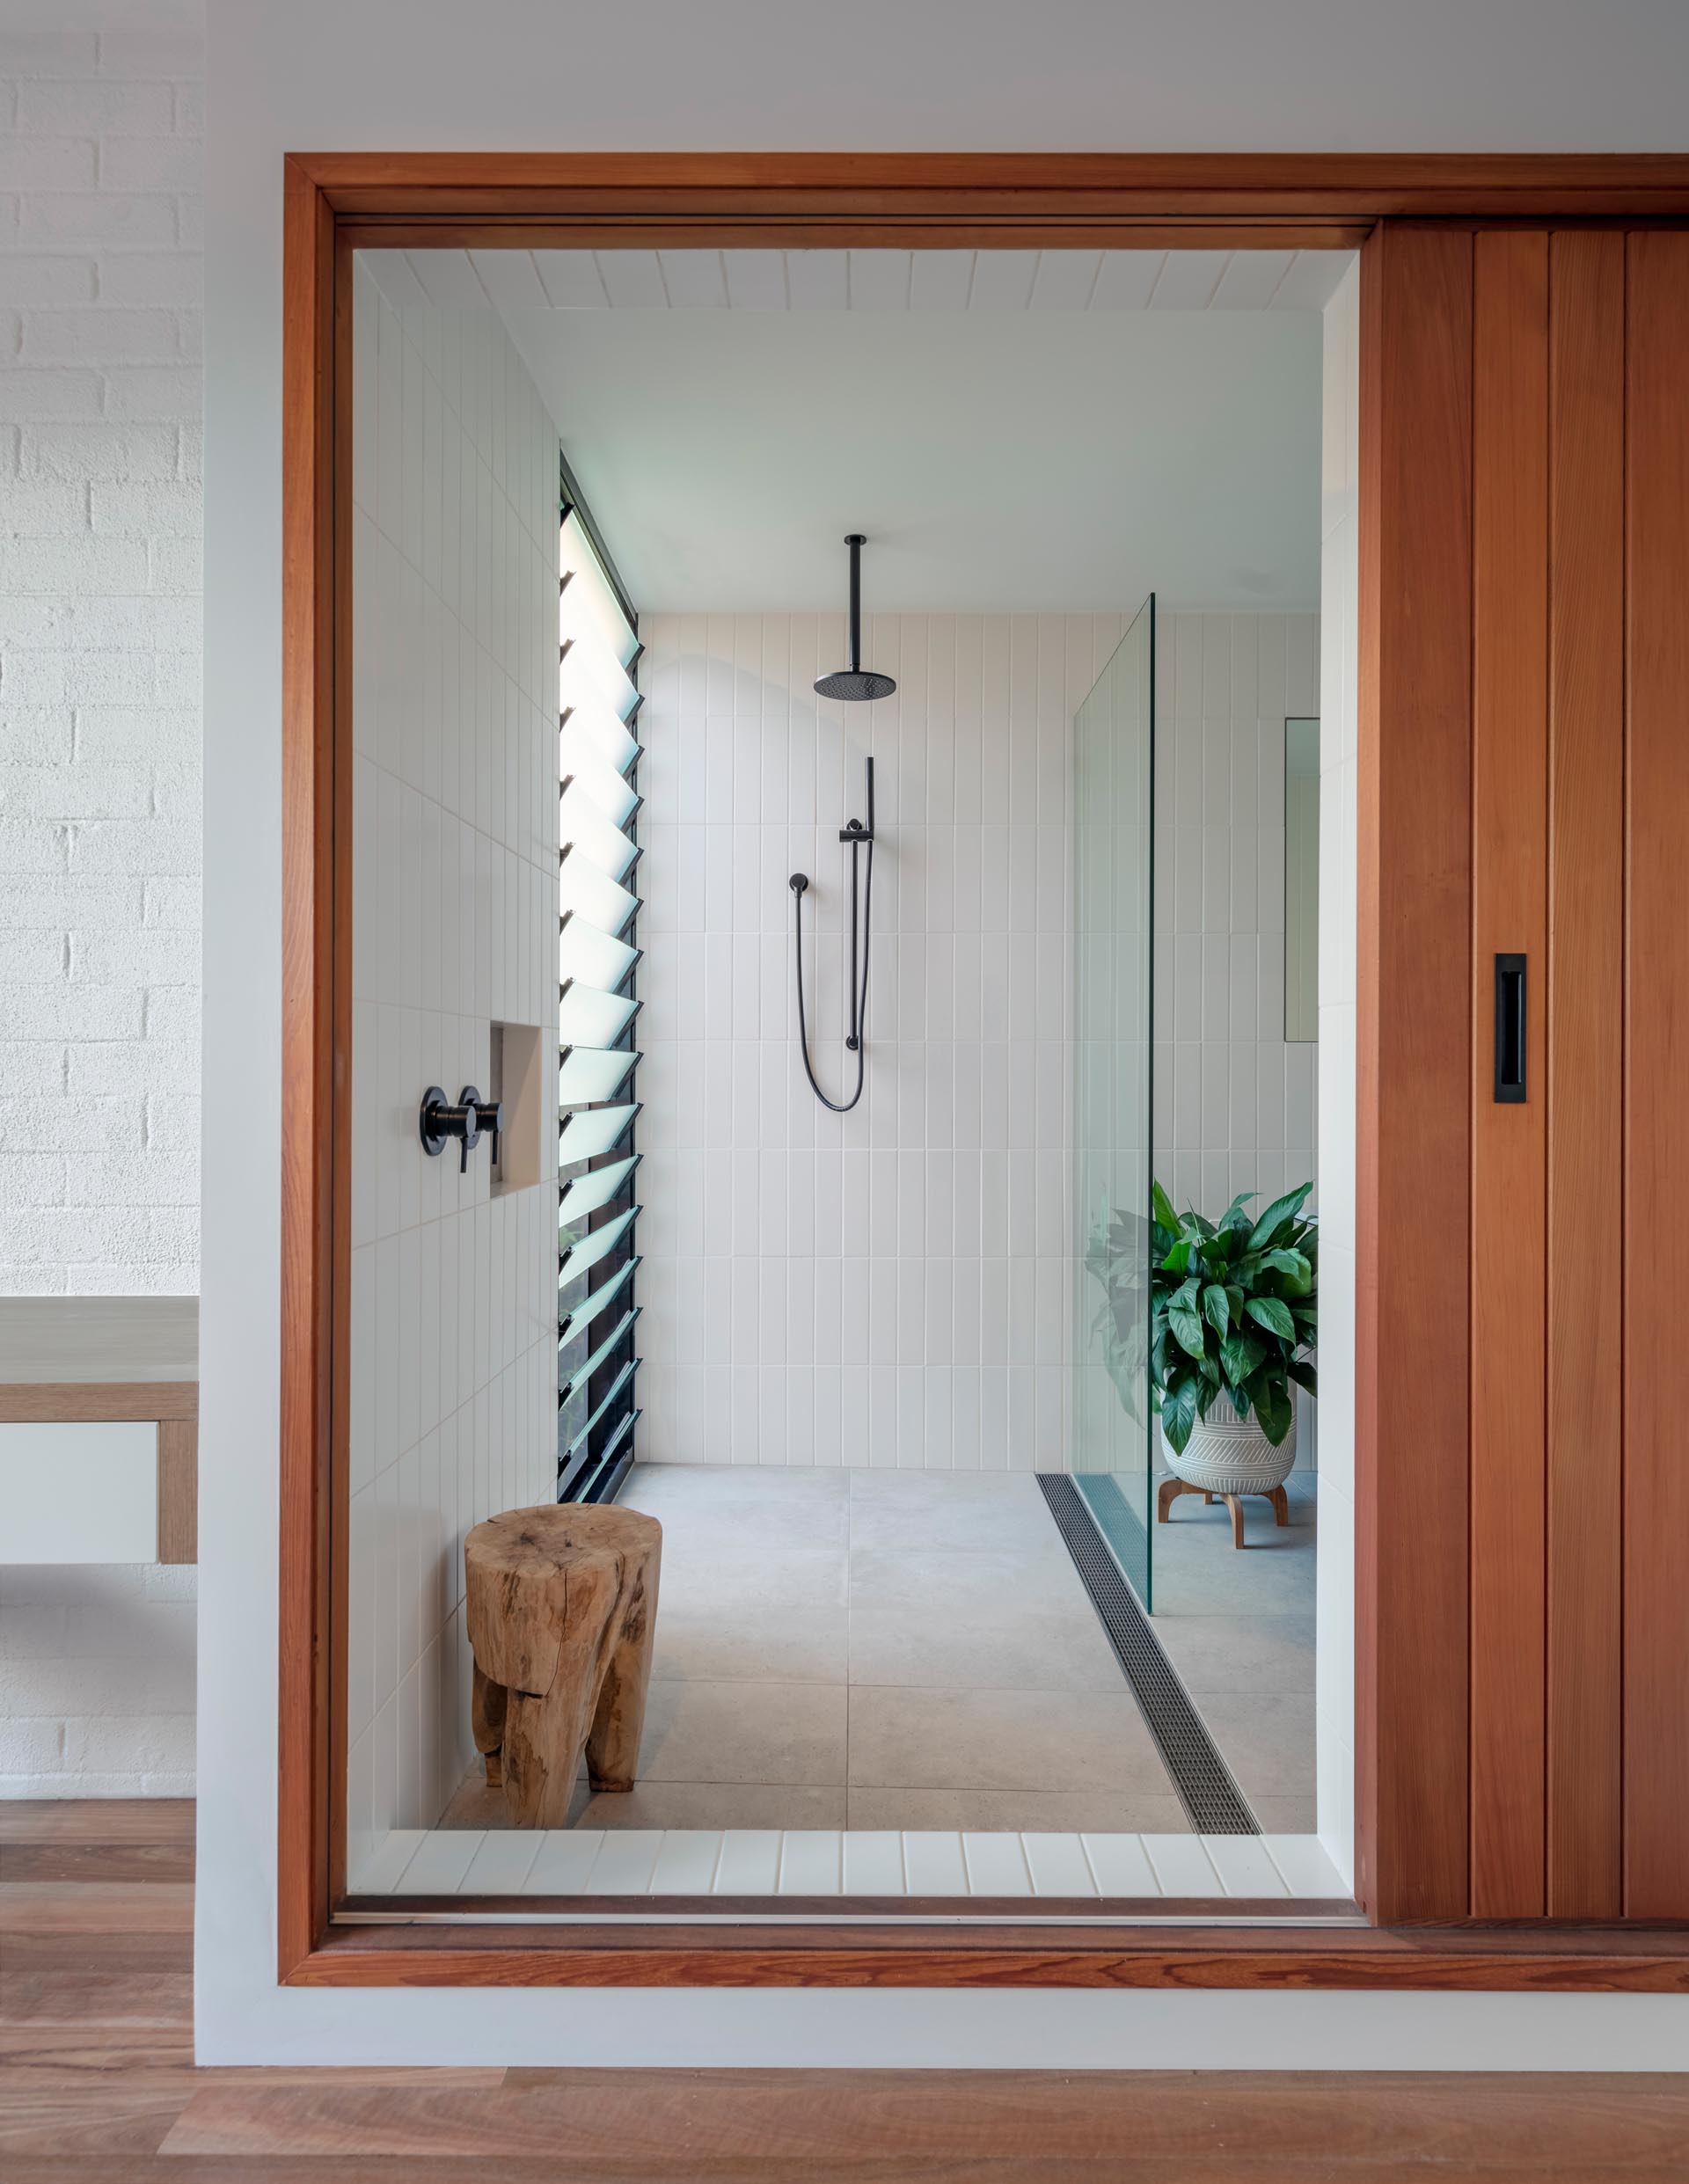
[842,1359]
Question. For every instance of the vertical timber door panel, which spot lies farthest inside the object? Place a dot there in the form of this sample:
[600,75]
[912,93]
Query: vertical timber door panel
[1414,1073]
[1656,1118]
[1509,784]
[1585,1022]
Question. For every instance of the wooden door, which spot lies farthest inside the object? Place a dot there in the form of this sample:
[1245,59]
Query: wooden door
[1525,678]
[1655,1203]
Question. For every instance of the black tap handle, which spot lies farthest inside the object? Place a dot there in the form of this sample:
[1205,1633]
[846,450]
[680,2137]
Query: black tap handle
[490,1113]
[441,1120]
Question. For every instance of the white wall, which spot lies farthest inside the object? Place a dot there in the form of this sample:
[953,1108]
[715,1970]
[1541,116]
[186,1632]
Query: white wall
[1339,810]
[1234,1108]
[1234,1102]
[889,1286]
[100,292]
[423,73]
[893,1287]
[454,919]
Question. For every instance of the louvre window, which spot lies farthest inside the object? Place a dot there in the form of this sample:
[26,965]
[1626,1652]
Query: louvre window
[599,956]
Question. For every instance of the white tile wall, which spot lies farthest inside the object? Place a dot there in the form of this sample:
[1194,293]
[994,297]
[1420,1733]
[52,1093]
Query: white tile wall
[891,1288]
[453,1393]
[887,1288]
[1235,1105]
[100,406]
[1339,809]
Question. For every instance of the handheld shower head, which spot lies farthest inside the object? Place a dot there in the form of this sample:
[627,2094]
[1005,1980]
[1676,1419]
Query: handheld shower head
[856,684]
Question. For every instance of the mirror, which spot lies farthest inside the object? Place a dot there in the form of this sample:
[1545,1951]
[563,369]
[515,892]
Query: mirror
[1301,879]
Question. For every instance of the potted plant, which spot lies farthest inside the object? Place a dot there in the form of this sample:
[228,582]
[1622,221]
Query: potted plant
[1232,1322]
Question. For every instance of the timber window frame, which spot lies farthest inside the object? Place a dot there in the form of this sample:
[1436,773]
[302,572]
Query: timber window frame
[1410,217]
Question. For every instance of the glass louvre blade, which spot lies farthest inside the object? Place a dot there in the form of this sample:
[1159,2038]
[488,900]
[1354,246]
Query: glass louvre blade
[612,798]
[600,900]
[589,1074]
[585,1369]
[589,1307]
[595,604]
[596,1244]
[598,1409]
[585,831]
[588,1017]
[591,1130]
[584,1194]
[589,671]
[621,1432]
[591,956]
[595,728]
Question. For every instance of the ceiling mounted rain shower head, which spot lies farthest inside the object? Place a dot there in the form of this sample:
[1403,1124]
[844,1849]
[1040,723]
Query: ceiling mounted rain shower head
[856,682]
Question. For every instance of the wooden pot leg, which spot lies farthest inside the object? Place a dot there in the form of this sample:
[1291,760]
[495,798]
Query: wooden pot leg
[1169,1491]
[618,1719]
[1234,1502]
[1280,1503]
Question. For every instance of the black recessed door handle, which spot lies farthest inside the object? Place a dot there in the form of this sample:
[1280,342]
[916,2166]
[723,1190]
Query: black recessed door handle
[1509,1030]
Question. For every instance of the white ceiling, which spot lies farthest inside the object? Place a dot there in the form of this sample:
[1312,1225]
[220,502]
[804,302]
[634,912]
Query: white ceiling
[1015,430]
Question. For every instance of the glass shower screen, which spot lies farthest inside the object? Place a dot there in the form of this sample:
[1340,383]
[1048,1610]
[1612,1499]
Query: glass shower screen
[1112,806]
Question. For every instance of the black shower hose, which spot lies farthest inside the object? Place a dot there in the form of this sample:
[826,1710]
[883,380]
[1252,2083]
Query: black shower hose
[858,1039]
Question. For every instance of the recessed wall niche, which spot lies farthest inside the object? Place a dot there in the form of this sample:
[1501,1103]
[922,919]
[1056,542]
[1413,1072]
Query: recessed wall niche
[514,1079]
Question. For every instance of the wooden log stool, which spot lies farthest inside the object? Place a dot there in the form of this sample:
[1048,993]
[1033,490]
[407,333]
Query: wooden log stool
[560,1605]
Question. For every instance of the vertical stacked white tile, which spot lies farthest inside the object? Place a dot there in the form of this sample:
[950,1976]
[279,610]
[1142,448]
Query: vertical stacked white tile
[1339,808]
[100,522]
[890,1287]
[1234,1102]
[453,1365]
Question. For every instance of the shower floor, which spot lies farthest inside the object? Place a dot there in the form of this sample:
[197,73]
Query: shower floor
[869,1649]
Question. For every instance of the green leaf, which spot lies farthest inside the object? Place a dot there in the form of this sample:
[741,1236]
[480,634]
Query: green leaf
[1272,1402]
[1187,1327]
[1235,1217]
[1281,1210]
[1299,1275]
[1303,1375]
[1161,1207]
[1268,1311]
[1179,1414]
[1216,1308]
[1240,1354]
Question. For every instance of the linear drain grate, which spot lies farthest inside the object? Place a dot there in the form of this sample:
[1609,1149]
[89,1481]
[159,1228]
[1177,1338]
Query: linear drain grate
[1201,1778]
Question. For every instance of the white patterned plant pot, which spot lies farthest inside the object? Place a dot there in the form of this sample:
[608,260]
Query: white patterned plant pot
[1227,1454]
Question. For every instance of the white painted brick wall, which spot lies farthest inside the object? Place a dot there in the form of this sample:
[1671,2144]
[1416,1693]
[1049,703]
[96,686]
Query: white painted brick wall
[100,661]
[100,813]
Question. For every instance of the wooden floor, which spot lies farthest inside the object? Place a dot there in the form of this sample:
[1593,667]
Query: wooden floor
[97,2083]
